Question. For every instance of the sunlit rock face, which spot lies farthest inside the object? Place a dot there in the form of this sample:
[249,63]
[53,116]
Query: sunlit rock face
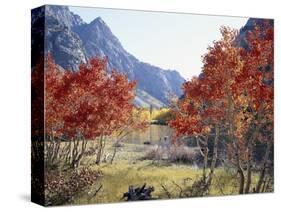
[71,42]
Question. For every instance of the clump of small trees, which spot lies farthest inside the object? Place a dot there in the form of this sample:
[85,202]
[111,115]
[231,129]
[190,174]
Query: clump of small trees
[232,102]
[71,109]
[87,105]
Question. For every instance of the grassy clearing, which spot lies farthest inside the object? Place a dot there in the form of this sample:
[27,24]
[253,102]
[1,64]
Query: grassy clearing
[128,169]
[119,176]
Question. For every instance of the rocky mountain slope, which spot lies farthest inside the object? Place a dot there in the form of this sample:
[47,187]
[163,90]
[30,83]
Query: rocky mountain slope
[71,41]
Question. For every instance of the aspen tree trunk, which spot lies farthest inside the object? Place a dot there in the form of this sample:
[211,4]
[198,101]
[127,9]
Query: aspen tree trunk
[214,156]
[204,153]
[250,160]
[250,153]
[239,171]
[205,163]
[249,168]
[99,154]
[113,155]
[263,171]
[77,153]
[235,145]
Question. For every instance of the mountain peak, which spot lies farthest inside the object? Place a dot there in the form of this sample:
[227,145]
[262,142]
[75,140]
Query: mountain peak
[78,41]
[98,20]
[100,23]
[98,32]
[64,15]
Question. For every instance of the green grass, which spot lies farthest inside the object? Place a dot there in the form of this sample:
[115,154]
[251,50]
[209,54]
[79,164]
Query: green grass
[128,169]
[119,176]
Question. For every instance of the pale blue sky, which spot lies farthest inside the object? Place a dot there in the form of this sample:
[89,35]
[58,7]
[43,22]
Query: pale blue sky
[168,40]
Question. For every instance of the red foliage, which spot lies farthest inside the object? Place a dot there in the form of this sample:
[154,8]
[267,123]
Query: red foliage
[87,103]
[236,86]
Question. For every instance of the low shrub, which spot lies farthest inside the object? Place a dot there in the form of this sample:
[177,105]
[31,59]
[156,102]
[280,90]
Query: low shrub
[61,187]
[183,154]
[174,154]
[118,145]
[154,153]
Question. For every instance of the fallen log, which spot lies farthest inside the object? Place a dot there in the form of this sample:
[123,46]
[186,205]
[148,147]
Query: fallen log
[138,193]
